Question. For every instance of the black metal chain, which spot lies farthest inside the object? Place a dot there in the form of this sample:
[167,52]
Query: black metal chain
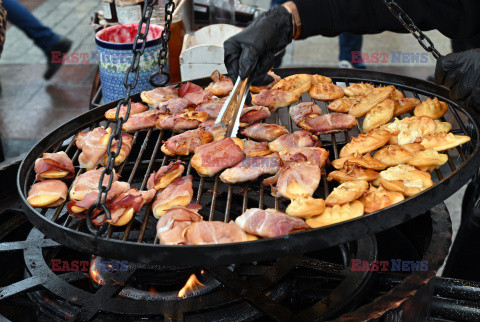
[162,77]
[130,82]
[407,22]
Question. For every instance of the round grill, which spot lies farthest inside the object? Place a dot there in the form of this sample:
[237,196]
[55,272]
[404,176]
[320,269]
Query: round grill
[136,241]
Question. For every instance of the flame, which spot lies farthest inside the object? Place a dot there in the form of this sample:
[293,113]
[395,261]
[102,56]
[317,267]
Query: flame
[152,290]
[94,274]
[192,284]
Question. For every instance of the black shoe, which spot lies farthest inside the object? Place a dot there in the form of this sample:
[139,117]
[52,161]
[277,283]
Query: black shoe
[63,46]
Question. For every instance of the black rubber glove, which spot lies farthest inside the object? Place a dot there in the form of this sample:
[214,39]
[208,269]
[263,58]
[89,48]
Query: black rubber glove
[461,73]
[252,50]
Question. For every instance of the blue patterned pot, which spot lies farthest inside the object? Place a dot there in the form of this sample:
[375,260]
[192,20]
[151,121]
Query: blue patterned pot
[115,53]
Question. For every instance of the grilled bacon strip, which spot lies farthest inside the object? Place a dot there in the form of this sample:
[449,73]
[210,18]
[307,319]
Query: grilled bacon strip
[297,139]
[165,175]
[221,85]
[186,120]
[142,120]
[211,158]
[176,219]
[174,105]
[314,155]
[256,149]
[303,110]
[253,114]
[328,123]
[264,132]
[213,232]
[177,193]
[212,107]
[158,95]
[218,131]
[47,193]
[135,108]
[54,166]
[269,222]
[186,142]
[94,146]
[127,141]
[251,168]
[125,205]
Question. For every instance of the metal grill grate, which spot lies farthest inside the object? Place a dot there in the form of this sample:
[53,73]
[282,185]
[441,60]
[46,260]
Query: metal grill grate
[225,202]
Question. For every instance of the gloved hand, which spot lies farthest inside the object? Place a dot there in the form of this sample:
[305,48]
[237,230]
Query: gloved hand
[252,50]
[461,73]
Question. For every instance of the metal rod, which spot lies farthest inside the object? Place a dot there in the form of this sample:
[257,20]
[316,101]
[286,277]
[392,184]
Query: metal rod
[214,199]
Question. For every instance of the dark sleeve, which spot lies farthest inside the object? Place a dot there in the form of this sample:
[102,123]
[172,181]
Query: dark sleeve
[454,18]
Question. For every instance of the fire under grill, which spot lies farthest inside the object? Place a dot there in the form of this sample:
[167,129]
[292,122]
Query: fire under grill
[137,241]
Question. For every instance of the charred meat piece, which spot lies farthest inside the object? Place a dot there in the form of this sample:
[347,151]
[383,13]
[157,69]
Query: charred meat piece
[253,114]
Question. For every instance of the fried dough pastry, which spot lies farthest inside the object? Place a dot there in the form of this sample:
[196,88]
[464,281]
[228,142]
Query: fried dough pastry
[378,198]
[352,172]
[379,115]
[428,160]
[393,155]
[405,105]
[326,92]
[346,192]
[365,143]
[365,161]
[305,207]
[431,108]
[368,102]
[442,126]
[396,95]
[443,141]
[320,79]
[343,104]
[336,214]
[297,84]
[358,89]
[406,179]
[410,129]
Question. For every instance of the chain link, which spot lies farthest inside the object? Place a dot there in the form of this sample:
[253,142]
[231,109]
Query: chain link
[130,82]
[162,56]
[408,23]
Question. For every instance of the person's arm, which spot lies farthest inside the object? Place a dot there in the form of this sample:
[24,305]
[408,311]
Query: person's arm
[453,18]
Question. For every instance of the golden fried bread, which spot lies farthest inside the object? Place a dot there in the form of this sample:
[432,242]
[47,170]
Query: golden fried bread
[442,126]
[406,179]
[320,79]
[335,214]
[358,89]
[431,108]
[405,105]
[443,141]
[346,192]
[368,102]
[396,95]
[326,92]
[343,105]
[428,160]
[379,115]
[410,129]
[365,143]
[297,84]
[413,148]
[366,162]
[393,155]
[305,207]
[378,198]
[352,172]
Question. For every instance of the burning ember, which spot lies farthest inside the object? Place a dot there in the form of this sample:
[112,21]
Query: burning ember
[192,284]
[95,274]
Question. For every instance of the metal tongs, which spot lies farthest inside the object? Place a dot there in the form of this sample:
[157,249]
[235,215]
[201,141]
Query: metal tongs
[229,115]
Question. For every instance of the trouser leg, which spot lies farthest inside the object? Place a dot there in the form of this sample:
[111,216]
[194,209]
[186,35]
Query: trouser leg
[42,35]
